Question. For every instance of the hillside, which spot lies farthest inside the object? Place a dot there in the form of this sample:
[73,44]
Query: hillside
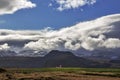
[54,59]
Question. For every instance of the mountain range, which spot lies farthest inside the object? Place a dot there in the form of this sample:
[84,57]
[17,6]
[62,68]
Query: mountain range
[55,58]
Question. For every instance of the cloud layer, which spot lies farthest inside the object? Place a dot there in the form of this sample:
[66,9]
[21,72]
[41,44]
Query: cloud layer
[68,4]
[99,34]
[11,6]
[89,35]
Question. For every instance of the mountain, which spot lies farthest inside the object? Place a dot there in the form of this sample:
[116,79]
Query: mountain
[106,54]
[9,53]
[67,59]
[32,53]
[23,53]
[96,54]
[52,59]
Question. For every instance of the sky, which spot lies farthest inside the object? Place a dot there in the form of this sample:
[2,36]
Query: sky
[35,27]
[47,13]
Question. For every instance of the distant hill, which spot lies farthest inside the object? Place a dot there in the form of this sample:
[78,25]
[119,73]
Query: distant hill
[7,53]
[52,59]
[68,59]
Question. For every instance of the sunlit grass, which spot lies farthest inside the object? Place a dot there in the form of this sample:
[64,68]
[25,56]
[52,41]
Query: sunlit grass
[112,72]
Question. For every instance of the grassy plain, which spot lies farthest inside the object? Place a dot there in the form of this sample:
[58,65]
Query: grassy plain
[60,74]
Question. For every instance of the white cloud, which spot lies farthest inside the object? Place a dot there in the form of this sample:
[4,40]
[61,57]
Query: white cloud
[97,43]
[4,47]
[112,43]
[93,43]
[44,44]
[68,4]
[90,35]
[70,46]
[11,6]
[19,35]
[102,33]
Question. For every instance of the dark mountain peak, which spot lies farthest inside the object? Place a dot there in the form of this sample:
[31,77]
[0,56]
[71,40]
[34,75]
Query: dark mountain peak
[64,58]
[60,53]
[57,51]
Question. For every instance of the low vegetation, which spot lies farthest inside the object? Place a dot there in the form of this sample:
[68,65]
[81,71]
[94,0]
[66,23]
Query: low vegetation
[61,74]
[2,70]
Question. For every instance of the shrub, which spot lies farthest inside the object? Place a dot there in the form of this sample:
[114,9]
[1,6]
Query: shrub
[2,70]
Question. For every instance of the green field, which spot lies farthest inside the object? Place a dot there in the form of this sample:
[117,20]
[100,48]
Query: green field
[60,74]
[111,72]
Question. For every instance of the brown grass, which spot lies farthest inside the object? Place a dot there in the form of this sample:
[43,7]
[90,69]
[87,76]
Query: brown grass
[58,75]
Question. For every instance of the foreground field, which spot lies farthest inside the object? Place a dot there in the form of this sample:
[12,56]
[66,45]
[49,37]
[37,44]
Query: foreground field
[61,74]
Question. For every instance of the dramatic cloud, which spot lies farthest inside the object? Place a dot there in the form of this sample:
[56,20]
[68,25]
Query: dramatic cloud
[97,43]
[99,34]
[90,35]
[68,4]
[11,6]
